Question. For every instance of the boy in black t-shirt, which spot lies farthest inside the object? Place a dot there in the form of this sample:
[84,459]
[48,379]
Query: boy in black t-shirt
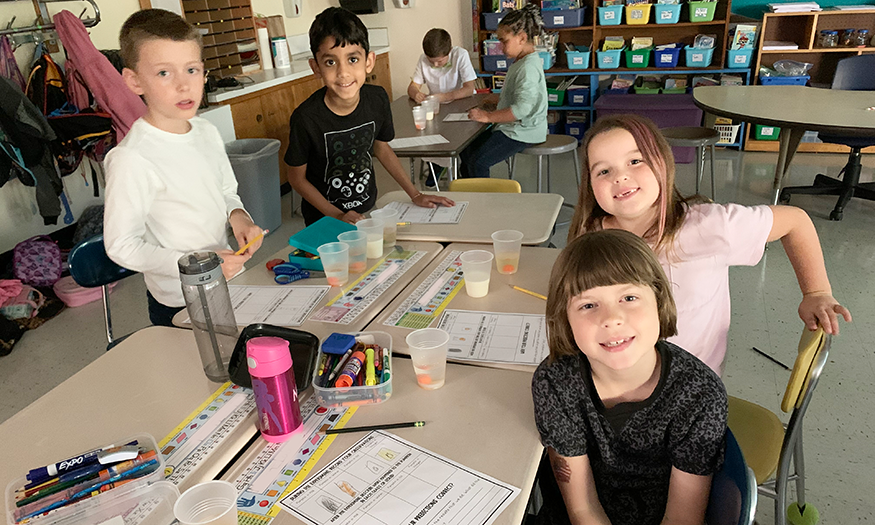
[335,132]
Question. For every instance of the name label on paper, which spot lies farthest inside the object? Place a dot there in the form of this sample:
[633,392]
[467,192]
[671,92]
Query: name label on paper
[609,15]
[637,59]
[558,20]
[501,64]
[702,11]
[665,15]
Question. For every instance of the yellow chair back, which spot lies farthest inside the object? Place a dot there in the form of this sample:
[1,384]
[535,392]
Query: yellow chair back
[811,346]
[486,185]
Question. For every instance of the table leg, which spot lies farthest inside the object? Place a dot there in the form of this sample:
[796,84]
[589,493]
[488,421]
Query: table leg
[789,138]
[412,171]
[454,167]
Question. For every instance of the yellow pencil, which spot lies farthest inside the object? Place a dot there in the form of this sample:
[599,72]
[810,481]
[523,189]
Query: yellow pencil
[250,243]
[533,294]
[404,224]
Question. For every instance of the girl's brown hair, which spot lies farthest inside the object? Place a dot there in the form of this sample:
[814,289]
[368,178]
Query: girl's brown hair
[527,20]
[603,258]
[656,153]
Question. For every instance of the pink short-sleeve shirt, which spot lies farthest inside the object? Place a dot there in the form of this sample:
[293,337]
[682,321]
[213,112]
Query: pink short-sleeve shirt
[713,237]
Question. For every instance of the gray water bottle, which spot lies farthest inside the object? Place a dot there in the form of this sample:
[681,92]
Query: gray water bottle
[209,307]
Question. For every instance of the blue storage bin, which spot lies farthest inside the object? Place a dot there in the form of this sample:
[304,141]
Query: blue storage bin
[785,81]
[546,59]
[577,97]
[609,59]
[699,57]
[667,13]
[575,129]
[739,58]
[563,18]
[578,59]
[496,62]
[666,57]
[491,20]
[556,129]
[611,15]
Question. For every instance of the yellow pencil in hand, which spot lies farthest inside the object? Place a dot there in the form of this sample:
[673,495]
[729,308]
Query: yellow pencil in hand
[250,243]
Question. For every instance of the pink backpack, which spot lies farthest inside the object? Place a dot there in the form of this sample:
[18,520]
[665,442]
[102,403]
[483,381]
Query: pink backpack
[74,295]
[37,261]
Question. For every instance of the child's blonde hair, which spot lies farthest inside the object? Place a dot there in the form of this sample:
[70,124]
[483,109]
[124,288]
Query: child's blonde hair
[656,153]
[603,258]
[153,24]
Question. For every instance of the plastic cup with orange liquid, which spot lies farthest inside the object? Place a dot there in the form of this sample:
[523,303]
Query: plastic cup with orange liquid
[358,249]
[335,262]
[506,244]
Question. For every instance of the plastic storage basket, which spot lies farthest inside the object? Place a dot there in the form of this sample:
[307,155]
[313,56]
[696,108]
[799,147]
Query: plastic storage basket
[496,62]
[640,58]
[638,14]
[667,13]
[702,11]
[728,132]
[611,15]
[546,59]
[577,97]
[578,59]
[356,395]
[609,59]
[563,18]
[766,132]
[697,57]
[576,129]
[555,97]
[666,57]
[491,20]
[785,81]
[739,58]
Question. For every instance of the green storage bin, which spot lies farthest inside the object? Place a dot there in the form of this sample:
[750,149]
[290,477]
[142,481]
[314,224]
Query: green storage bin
[647,91]
[555,97]
[702,11]
[766,132]
[639,58]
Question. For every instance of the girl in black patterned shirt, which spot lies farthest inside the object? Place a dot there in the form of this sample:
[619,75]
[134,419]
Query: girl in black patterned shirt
[633,425]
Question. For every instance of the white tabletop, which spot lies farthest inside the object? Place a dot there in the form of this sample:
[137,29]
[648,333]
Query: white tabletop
[534,214]
[148,383]
[482,418]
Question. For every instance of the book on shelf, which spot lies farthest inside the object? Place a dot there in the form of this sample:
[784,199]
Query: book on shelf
[794,7]
[777,45]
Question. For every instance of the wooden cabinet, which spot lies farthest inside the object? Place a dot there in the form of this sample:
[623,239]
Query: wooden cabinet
[381,75]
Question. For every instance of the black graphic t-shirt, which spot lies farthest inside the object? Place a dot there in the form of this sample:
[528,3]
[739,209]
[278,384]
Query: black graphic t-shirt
[338,150]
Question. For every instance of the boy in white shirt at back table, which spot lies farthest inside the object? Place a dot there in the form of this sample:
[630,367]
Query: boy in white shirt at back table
[170,187]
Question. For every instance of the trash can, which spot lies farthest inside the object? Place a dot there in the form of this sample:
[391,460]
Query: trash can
[256,166]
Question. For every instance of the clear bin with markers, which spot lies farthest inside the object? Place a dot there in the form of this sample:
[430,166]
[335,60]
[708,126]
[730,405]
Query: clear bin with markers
[331,396]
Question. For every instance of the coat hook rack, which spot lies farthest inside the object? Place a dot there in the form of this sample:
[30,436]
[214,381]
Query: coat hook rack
[37,32]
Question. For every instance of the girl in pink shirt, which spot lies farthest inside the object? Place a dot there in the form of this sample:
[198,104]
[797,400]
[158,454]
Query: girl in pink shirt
[629,172]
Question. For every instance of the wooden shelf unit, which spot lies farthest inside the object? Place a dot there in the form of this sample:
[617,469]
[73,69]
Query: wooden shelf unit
[229,25]
[803,29]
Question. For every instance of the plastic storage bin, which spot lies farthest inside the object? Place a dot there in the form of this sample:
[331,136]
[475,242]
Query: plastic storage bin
[609,59]
[577,97]
[496,62]
[702,11]
[698,57]
[640,58]
[647,91]
[546,59]
[739,58]
[555,97]
[611,15]
[766,132]
[563,18]
[492,47]
[356,395]
[576,129]
[256,166]
[491,20]
[638,14]
[666,57]
[785,81]
[578,59]
[728,132]
[667,13]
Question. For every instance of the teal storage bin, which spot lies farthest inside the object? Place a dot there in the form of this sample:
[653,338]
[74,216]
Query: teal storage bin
[739,58]
[546,59]
[578,59]
[698,57]
[611,15]
[667,13]
[609,59]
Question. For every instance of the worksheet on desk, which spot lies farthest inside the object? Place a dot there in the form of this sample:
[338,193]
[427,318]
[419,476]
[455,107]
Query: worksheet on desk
[495,337]
[457,117]
[409,212]
[423,140]
[276,305]
[385,479]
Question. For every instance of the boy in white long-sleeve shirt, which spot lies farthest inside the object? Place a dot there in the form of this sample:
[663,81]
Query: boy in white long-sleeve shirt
[170,187]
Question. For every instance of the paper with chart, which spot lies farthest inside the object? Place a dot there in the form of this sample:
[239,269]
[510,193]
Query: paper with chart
[432,295]
[276,305]
[457,117]
[409,212]
[496,337]
[424,140]
[385,479]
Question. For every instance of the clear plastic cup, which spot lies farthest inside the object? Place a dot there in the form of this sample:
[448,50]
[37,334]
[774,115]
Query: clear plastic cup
[389,216]
[506,245]
[419,115]
[428,352]
[335,262]
[429,106]
[210,503]
[436,104]
[358,249]
[373,228]
[477,268]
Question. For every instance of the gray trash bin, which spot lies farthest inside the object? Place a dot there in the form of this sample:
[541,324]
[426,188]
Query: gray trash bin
[256,166]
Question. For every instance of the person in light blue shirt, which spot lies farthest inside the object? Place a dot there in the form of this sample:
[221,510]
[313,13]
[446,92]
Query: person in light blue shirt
[520,117]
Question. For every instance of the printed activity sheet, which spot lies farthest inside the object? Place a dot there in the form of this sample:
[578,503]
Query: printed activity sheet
[424,140]
[496,337]
[276,305]
[409,212]
[457,117]
[385,479]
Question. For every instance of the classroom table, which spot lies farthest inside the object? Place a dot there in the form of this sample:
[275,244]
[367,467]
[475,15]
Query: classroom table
[481,418]
[533,274]
[148,383]
[261,276]
[533,214]
[459,134]
[795,109]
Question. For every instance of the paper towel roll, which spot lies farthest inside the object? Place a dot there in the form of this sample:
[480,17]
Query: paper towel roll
[264,48]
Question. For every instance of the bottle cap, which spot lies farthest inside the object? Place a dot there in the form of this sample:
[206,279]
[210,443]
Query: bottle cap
[268,356]
[199,268]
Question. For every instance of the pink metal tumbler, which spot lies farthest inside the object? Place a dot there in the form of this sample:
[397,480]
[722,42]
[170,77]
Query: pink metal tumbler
[273,380]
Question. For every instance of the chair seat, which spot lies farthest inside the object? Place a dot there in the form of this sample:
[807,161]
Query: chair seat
[554,145]
[760,435]
[691,136]
[851,142]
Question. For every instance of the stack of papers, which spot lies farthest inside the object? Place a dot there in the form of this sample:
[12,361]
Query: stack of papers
[794,7]
[772,45]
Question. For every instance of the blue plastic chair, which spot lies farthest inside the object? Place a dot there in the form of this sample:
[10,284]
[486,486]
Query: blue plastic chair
[91,267]
[733,497]
[853,74]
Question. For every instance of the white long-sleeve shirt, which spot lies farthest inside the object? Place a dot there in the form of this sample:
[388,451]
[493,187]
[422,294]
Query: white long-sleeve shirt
[167,195]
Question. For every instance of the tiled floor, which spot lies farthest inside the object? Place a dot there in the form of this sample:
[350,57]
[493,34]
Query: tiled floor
[840,423]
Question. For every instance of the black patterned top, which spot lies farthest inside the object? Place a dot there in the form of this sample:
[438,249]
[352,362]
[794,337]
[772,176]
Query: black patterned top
[632,447]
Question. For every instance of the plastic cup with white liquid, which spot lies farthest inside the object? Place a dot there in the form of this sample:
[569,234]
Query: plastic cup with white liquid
[436,104]
[419,115]
[389,216]
[358,249]
[373,228]
[429,106]
[477,268]
[335,262]
[210,503]
[506,244]
[428,352]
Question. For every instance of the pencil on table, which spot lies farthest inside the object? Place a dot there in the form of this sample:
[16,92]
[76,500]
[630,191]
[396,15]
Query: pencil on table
[533,294]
